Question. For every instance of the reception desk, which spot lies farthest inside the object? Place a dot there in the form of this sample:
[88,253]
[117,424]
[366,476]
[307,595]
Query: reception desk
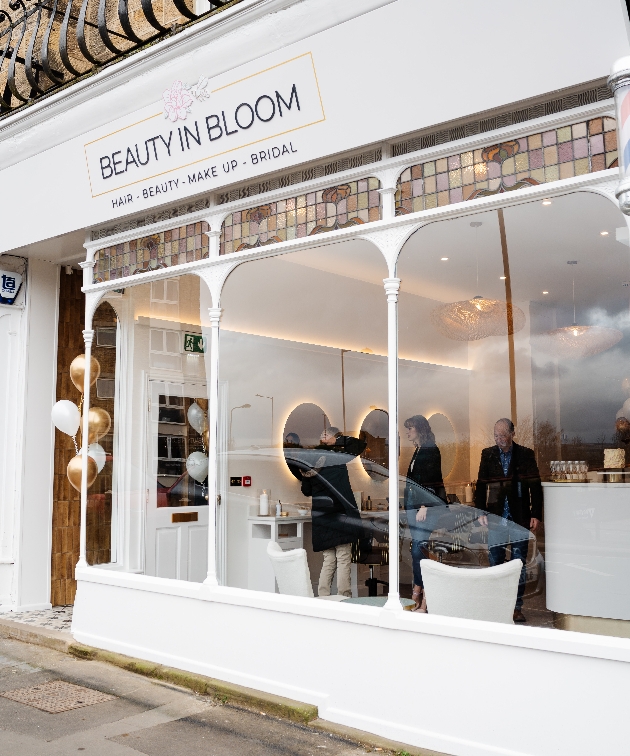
[587,549]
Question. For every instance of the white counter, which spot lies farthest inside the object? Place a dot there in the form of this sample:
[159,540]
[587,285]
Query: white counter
[587,549]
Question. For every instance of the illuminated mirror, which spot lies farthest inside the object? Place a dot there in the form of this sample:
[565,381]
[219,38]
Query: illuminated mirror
[375,433]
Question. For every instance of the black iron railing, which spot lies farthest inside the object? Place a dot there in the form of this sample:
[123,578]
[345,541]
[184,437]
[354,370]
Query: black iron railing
[49,44]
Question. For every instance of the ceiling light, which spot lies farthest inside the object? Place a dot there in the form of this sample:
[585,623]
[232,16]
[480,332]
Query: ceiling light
[603,233]
[546,202]
[477,318]
[577,341]
[545,292]
[443,258]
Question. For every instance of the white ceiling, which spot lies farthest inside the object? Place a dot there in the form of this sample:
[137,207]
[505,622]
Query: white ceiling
[62,250]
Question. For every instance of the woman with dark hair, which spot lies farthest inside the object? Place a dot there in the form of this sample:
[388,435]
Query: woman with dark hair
[425,469]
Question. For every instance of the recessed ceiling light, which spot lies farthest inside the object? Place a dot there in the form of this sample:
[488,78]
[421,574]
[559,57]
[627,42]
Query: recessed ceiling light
[502,278]
[545,292]
[546,202]
[603,233]
[443,258]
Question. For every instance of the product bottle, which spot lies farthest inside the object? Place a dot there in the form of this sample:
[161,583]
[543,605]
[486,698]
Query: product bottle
[369,504]
[278,508]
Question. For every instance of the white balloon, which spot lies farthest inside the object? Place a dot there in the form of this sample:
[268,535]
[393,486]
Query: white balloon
[66,417]
[196,417]
[98,454]
[197,466]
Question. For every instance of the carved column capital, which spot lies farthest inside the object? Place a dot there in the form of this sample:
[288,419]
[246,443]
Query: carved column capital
[392,287]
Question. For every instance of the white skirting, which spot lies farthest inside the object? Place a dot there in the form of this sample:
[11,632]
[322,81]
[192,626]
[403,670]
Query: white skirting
[457,686]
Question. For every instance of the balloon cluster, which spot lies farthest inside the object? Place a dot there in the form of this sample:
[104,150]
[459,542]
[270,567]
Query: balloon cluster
[66,416]
[197,462]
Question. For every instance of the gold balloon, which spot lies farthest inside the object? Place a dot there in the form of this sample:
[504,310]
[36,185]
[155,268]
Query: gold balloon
[74,472]
[206,438]
[99,423]
[203,403]
[77,371]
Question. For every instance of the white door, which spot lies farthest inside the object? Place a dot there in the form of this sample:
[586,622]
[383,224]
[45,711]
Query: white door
[177,505]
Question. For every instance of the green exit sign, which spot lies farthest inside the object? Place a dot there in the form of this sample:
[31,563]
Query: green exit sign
[195,343]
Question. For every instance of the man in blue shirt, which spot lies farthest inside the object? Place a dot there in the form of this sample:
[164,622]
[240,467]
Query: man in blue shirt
[509,486]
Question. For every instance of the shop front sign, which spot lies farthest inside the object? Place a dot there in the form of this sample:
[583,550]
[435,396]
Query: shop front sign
[204,136]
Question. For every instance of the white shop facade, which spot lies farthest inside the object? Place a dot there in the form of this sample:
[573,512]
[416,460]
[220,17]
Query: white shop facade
[273,249]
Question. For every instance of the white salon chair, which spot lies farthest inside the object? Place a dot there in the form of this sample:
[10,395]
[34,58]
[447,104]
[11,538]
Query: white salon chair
[292,573]
[488,593]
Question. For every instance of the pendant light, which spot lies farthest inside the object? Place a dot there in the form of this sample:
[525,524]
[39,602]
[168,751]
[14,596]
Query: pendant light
[575,341]
[479,317]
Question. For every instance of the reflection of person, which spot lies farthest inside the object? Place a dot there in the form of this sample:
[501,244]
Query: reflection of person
[425,469]
[509,486]
[336,519]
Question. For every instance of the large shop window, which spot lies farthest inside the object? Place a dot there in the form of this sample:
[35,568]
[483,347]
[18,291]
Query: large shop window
[514,411]
[161,428]
[302,458]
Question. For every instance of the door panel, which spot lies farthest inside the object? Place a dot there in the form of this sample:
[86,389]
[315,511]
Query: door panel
[197,553]
[167,552]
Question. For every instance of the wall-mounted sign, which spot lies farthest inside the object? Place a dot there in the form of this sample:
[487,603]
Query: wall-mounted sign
[10,285]
[194,343]
[204,136]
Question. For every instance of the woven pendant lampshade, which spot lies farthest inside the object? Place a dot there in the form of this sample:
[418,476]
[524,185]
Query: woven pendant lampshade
[575,342]
[477,318]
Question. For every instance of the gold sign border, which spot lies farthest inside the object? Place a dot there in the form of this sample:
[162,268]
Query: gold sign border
[218,154]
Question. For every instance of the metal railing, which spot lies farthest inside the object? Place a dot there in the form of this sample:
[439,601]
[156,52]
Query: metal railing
[46,45]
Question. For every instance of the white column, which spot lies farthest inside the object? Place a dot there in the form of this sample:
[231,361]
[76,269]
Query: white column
[213,424]
[214,243]
[388,199]
[88,336]
[392,286]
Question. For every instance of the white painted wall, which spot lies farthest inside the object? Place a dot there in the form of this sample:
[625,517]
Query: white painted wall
[38,447]
[399,89]
[28,340]
[456,686]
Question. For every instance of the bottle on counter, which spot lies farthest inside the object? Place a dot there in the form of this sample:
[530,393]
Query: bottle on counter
[278,508]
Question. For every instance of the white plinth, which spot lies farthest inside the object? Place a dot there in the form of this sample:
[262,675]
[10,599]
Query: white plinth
[587,549]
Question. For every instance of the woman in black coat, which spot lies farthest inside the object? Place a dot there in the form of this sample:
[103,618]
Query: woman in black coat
[425,469]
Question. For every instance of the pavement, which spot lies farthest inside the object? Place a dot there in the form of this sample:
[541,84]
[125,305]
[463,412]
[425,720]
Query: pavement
[146,717]
[155,710]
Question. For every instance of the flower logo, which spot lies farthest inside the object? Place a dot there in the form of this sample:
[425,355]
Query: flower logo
[177,102]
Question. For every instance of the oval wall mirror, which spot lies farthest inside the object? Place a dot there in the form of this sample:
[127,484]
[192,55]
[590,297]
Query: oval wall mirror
[302,430]
[375,433]
[446,441]
[304,426]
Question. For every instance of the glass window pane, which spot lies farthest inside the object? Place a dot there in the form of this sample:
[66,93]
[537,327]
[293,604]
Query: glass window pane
[513,359]
[303,367]
[161,480]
